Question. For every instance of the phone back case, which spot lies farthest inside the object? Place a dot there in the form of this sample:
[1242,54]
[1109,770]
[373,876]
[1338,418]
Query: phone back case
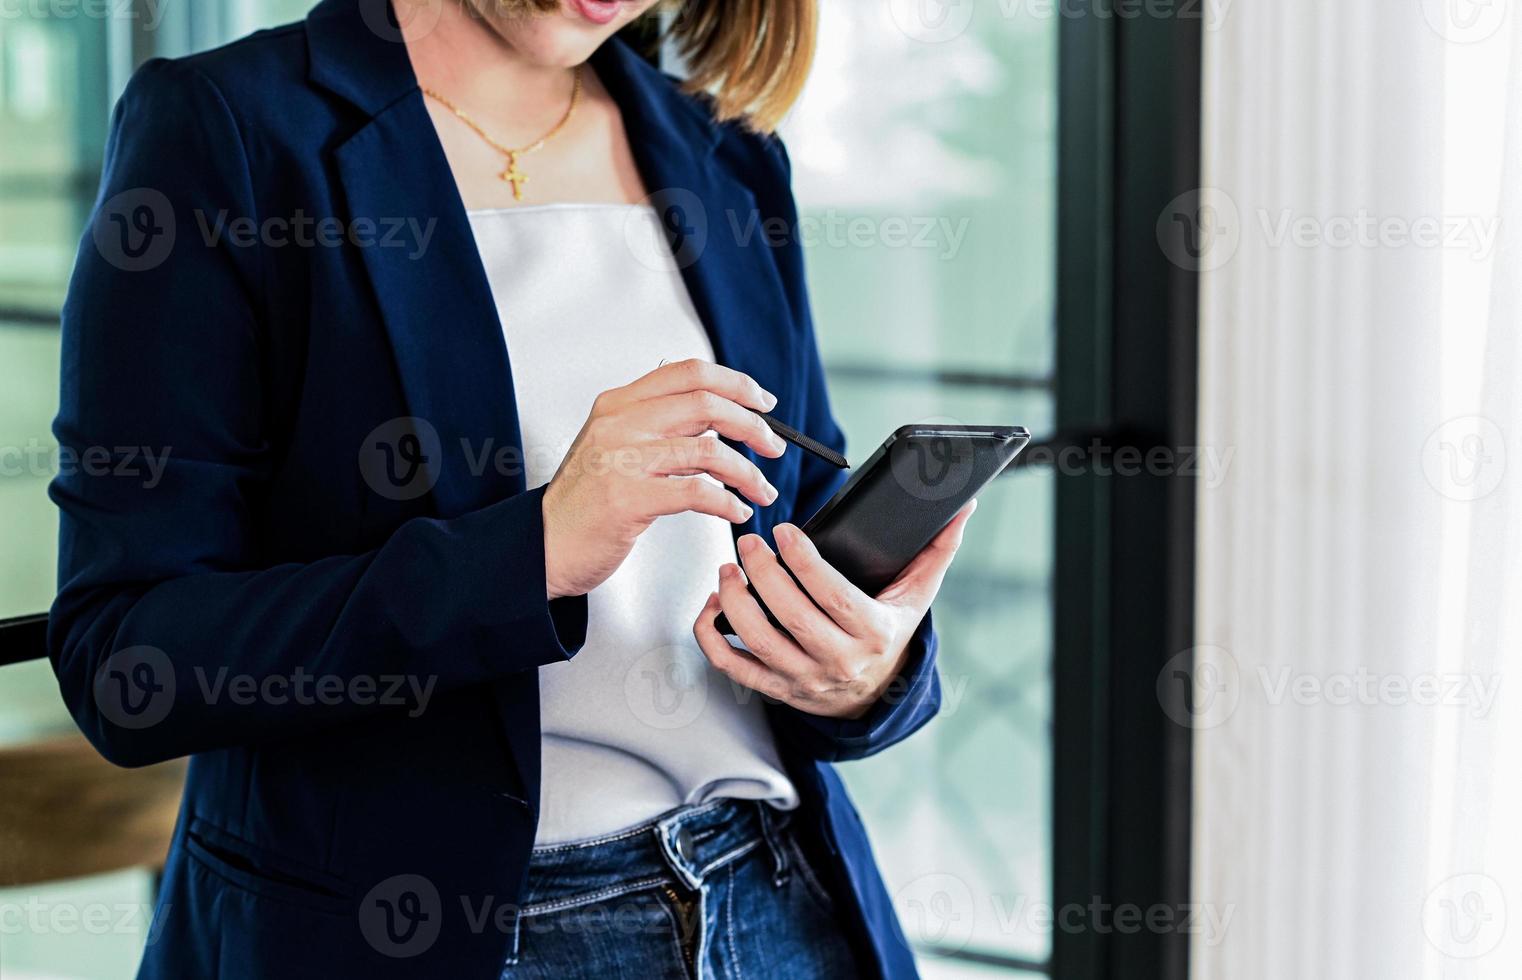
[901,498]
[905,494]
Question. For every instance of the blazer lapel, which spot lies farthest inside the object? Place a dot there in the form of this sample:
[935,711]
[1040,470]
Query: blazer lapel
[437,306]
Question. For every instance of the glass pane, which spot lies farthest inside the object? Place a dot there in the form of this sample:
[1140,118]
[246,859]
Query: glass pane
[52,134]
[28,521]
[947,969]
[30,707]
[84,929]
[53,110]
[244,16]
[925,170]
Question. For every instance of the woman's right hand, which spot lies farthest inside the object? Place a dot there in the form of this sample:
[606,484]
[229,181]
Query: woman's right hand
[638,457]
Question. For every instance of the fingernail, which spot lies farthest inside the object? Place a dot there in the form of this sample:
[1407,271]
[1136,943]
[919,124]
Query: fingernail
[768,400]
[748,544]
[771,494]
[783,533]
[745,512]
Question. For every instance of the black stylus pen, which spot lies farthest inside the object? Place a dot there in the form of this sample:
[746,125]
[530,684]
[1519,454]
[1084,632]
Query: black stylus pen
[792,435]
[789,434]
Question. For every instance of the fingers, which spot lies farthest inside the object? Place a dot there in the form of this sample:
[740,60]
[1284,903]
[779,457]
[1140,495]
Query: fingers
[706,454]
[737,665]
[852,610]
[695,412]
[698,375]
[921,580]
[814,631]
[764,641]
[677,495]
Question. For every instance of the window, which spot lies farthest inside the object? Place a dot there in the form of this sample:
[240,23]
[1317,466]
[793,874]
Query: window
[53,110]
[924,159]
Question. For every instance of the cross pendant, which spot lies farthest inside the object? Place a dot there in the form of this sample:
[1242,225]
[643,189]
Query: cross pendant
[514,176]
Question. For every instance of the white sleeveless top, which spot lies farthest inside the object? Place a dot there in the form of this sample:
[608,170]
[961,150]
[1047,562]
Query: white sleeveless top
[637,723]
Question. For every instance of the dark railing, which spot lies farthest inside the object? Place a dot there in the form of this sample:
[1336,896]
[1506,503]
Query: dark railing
[27,316]
[23,638]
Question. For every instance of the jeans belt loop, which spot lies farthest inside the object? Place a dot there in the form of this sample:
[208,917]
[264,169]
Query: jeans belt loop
[772,834]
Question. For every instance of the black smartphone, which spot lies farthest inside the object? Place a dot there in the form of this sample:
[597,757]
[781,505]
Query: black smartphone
[902,497]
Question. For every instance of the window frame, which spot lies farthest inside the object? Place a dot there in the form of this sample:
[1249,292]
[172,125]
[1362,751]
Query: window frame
[1130,142]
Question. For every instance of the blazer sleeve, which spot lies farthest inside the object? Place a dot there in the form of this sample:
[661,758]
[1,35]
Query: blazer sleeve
[915,695]
[161,598]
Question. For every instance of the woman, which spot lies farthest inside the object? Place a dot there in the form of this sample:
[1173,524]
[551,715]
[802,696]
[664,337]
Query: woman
[438,633]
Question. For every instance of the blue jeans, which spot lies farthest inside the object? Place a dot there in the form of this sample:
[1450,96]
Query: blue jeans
[720,891]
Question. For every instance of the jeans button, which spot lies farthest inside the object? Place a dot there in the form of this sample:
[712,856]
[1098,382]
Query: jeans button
[685,848]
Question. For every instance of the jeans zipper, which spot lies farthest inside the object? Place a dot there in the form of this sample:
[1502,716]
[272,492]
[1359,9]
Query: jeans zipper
[685,928]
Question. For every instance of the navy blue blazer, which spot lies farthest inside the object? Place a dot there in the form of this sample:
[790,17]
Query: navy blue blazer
[339,833]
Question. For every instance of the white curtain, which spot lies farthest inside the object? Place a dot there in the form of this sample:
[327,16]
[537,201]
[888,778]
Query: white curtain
[1358,800]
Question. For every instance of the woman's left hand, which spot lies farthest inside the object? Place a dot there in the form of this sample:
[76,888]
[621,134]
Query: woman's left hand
[846,647]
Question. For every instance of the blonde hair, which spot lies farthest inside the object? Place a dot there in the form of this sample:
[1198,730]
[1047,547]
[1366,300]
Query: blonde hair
[751,57]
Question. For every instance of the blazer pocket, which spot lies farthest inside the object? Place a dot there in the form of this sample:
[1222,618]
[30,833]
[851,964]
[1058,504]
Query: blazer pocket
[252,869]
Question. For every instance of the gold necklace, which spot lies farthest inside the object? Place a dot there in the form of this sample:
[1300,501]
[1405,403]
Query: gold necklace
[512,174]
